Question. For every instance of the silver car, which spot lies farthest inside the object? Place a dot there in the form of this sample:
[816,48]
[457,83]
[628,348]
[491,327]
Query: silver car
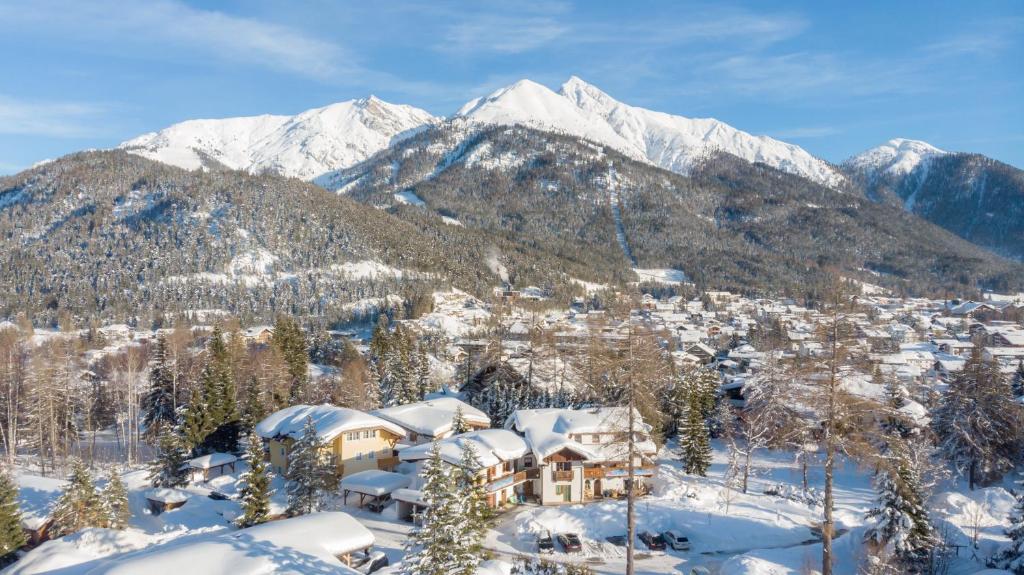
[676,541]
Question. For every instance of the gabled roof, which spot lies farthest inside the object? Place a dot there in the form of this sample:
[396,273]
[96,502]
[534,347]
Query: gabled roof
[492,446]
[432,417]
[548,431]
[330,421]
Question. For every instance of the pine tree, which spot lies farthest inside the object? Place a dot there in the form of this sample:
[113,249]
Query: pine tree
[1011,557]
[291,342]
[894,422]
[694,439]
[158,404]
[12,537]
[115,500]
[255,491]
[459,424]
[431,544]
[196,422]
[978,424]
[422,372]
[475,515]
[903,528]
[168,470]
[80,505]
[309,474]
[1017,383]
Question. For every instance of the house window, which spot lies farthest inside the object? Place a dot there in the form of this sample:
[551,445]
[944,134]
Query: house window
[528,461]
[563,465]
[359,456]
[282,451]
[373,455]
[595,438]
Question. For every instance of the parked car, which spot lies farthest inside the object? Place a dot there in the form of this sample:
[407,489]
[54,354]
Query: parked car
[379,504]
[653,541]
[676,541]
[544,542]
[369,563]
[617,540]
[570,542]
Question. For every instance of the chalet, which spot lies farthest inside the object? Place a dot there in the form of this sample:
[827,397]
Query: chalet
[703,352]
[430,420]
[581,455]
[501,454]
[356,441]
[206,467]
[258,335]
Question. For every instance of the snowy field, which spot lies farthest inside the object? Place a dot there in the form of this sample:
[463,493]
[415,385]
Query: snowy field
[730,532]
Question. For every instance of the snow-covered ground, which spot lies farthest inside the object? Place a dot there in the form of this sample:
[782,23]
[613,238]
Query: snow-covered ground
[730,532]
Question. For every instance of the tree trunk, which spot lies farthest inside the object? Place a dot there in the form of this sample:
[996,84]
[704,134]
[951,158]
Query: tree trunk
[631,486]
[746,467]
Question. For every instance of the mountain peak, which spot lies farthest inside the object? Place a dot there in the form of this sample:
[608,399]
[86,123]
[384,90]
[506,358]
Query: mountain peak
[896,157]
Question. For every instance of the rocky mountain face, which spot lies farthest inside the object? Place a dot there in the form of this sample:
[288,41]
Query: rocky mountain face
[977,198]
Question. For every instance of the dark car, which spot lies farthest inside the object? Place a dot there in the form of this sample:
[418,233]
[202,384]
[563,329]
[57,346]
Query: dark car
[378,504]
[369,563]
[545,544]
[617,540]
[652,541]
[570,542]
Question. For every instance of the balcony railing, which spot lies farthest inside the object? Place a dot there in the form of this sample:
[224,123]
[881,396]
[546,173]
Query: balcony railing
[387,463]
[533,473]
[557,475]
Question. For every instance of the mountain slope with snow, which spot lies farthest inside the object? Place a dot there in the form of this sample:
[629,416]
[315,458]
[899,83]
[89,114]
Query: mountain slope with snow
[897,157]
[302,146]
[676,143]
[672,142]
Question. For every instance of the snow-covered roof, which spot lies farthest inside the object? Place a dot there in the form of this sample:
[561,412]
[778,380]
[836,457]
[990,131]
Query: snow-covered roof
[211,460]
[548,431]
[299,545]
[409,496]
[432,417]
[375,482]
[492,446]
[329,420]
[166,495]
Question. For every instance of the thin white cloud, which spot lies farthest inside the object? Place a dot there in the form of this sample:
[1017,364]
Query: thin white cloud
[503,34]
[52,119]
[984,39]
[171,25]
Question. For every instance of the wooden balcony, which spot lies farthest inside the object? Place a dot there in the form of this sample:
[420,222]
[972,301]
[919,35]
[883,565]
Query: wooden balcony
[387,463]
[561,475]
[532,473]
[593,473]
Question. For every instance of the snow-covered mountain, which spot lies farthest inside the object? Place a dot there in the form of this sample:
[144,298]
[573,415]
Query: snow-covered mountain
[897,157]
[338,136]
[302,146]
[671,142]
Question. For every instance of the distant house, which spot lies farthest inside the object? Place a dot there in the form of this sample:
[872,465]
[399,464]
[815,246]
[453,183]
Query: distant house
[702,352]
[261,334]
[356,441]
[36,497]
[430,420]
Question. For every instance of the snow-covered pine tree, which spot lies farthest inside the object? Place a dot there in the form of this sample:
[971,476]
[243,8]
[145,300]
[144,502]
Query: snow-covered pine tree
[902,527]
[1017,382]
[255,491]
[196,418]
[115,499]
[694,439]
[422,372]
[471,495]
[896,397]
[442,527]
[168,469]
[537,566]
[12,536]
[459,424]
[1011,557]
[978,424]
[309,474]
[158,405]
[80,505]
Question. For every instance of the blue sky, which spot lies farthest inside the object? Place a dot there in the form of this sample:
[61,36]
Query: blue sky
[833,77]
